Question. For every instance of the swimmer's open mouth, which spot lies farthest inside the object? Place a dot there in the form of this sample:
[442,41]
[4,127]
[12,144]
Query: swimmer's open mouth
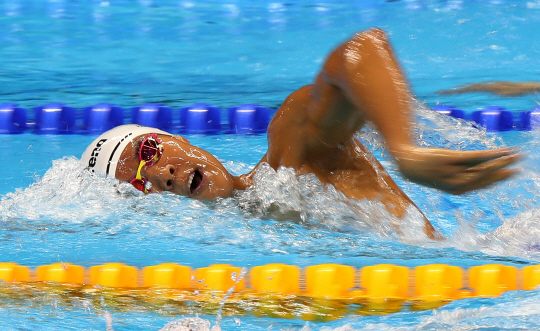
[195,180]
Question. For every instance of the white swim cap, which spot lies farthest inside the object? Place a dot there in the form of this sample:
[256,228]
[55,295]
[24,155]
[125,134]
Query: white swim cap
[102,155]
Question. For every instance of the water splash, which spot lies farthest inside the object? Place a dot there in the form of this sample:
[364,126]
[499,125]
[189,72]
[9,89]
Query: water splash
[236,278]
[65,187]
[190,324]
[515,311]
[436,130]
[108,321]
[281,195]
[199,324]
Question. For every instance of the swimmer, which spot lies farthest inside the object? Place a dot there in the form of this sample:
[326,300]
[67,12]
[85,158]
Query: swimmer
[500,88]
[313,133]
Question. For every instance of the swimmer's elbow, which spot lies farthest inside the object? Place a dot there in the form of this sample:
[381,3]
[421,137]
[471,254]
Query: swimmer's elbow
[357,54]
[374,33]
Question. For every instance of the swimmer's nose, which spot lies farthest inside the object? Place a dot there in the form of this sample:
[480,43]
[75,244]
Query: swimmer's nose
[171,169]
[163,177]
[168,176]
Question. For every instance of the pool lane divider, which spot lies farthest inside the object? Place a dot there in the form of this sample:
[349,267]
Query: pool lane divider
[57,118]
[496,118]
[379,288]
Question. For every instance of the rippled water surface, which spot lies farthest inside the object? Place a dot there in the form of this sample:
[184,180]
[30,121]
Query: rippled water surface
[232,52]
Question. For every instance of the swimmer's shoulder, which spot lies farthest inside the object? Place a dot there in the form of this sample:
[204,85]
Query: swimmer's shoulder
[292,111]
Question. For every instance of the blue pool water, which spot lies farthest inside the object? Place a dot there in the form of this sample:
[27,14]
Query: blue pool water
[231,52]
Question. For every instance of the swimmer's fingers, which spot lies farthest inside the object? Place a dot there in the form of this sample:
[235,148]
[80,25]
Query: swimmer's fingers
[481,175]
[473,158]
[495,164]
[463,185]
[457,172]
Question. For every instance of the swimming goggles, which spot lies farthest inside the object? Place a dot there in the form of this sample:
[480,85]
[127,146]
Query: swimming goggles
[149,153]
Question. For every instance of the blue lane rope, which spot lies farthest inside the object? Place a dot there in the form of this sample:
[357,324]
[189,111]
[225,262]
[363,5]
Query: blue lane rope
[57,118]
[496,118]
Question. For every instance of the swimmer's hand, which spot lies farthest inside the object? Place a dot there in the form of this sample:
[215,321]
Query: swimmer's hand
[455,172]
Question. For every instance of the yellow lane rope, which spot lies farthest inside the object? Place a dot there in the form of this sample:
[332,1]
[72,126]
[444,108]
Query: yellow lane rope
[319,292]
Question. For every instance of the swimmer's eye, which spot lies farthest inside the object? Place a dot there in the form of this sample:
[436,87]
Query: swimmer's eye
[169,182]
[171,170]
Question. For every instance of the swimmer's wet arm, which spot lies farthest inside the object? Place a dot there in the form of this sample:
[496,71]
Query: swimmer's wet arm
[503,89]
[367,72]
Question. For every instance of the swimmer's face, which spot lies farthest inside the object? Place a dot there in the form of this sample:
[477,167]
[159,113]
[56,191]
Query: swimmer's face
[182,169]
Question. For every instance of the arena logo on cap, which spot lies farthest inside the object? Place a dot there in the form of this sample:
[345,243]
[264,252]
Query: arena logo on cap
[95,153]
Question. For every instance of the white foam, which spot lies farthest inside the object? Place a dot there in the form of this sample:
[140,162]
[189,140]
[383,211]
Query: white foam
[189,324]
